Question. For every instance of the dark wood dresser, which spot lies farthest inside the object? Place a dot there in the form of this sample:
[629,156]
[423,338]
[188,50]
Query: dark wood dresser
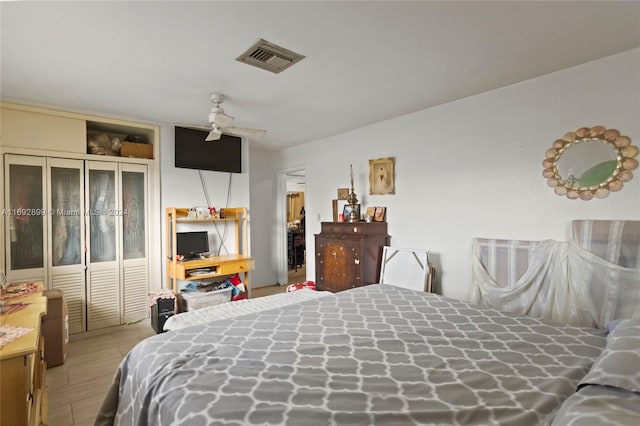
[348,254]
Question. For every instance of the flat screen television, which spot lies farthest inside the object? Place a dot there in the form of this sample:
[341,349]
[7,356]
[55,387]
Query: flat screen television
[193,152]
[192,244]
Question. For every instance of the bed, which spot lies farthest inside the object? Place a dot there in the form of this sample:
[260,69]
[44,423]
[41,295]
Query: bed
[374,355]
[227,311]
[392,354]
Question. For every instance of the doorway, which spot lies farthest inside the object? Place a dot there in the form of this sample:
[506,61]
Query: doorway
[295,225]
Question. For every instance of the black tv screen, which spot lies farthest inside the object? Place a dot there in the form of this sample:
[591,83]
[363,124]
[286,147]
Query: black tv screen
[191,244]
[193,152]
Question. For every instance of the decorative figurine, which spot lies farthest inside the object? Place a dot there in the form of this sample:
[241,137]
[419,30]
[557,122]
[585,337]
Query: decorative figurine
[354,215]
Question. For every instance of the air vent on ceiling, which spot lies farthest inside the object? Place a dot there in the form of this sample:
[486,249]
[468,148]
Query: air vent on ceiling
[269,56]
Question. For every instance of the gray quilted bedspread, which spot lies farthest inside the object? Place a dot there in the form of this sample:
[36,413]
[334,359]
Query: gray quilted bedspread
[375,355]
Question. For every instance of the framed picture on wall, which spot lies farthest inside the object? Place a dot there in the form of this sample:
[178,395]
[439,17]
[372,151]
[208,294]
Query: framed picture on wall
[382,176]
[343,193]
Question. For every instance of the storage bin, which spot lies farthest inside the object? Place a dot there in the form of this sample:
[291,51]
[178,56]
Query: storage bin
[55,328]
[200,299]
[136,150]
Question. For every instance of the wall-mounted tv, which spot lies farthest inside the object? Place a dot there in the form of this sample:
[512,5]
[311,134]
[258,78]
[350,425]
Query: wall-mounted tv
[193,152]
[192,244]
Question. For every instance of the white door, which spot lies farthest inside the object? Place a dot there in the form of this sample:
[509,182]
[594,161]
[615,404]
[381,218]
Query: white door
[135,242]
[65,243]
[25,213]
[103,222]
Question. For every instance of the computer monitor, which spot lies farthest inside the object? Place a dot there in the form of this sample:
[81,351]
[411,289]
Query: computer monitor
[192,244]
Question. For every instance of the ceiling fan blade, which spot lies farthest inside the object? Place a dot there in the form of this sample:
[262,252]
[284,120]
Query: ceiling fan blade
[220,119]
[214,135]
[240,131]
[194,126]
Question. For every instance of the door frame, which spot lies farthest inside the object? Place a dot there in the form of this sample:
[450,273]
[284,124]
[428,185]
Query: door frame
[281,221]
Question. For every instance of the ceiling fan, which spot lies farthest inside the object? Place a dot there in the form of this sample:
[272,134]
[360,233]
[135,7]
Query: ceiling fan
[219,122]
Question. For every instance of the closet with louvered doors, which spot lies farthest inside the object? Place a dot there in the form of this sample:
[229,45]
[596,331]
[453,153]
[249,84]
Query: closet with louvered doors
[117,244]
[80,226]
[44,225]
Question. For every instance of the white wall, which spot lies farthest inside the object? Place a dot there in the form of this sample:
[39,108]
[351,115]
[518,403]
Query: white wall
[184,188]
[263,219]
[473,167]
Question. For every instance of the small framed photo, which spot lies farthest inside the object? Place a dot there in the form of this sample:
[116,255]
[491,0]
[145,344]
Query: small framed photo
[382,176]
[379,214]
[343,193]
[348,208]
[338,209]
[371,211]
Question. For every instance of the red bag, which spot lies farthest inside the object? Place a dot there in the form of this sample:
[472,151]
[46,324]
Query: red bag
[299,286]
[239,296]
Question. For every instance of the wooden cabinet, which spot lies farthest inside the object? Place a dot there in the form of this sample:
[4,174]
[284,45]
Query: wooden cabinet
[348,254]
[22,366]
[26,128]
[51,131]
[77,221]
[215,266]
[295,249]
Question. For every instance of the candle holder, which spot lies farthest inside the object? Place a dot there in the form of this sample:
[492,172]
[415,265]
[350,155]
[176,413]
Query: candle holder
[354,214]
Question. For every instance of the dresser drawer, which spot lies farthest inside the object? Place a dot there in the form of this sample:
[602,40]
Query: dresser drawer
[357,228]
[331,228]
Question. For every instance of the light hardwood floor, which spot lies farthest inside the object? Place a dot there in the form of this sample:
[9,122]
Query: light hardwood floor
[297,276]
[78,387]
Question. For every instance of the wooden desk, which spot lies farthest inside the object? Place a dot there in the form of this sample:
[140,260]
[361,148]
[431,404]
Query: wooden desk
[237,262]
[22,367]
[228,264]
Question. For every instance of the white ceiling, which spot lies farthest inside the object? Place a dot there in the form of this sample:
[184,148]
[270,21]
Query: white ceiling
[365,61]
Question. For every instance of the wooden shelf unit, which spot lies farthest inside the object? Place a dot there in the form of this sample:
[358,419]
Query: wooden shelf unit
[236,263]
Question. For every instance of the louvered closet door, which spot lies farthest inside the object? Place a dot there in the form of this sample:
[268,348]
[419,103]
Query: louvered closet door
[103,243]
[135,263]
[65,220]
[24,217]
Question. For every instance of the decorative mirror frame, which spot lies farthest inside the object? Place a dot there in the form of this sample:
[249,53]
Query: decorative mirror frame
[626,162]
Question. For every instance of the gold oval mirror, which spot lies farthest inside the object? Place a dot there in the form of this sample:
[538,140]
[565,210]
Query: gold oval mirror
[590,162]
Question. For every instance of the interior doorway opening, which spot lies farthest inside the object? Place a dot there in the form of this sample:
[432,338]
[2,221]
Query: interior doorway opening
[296,226]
